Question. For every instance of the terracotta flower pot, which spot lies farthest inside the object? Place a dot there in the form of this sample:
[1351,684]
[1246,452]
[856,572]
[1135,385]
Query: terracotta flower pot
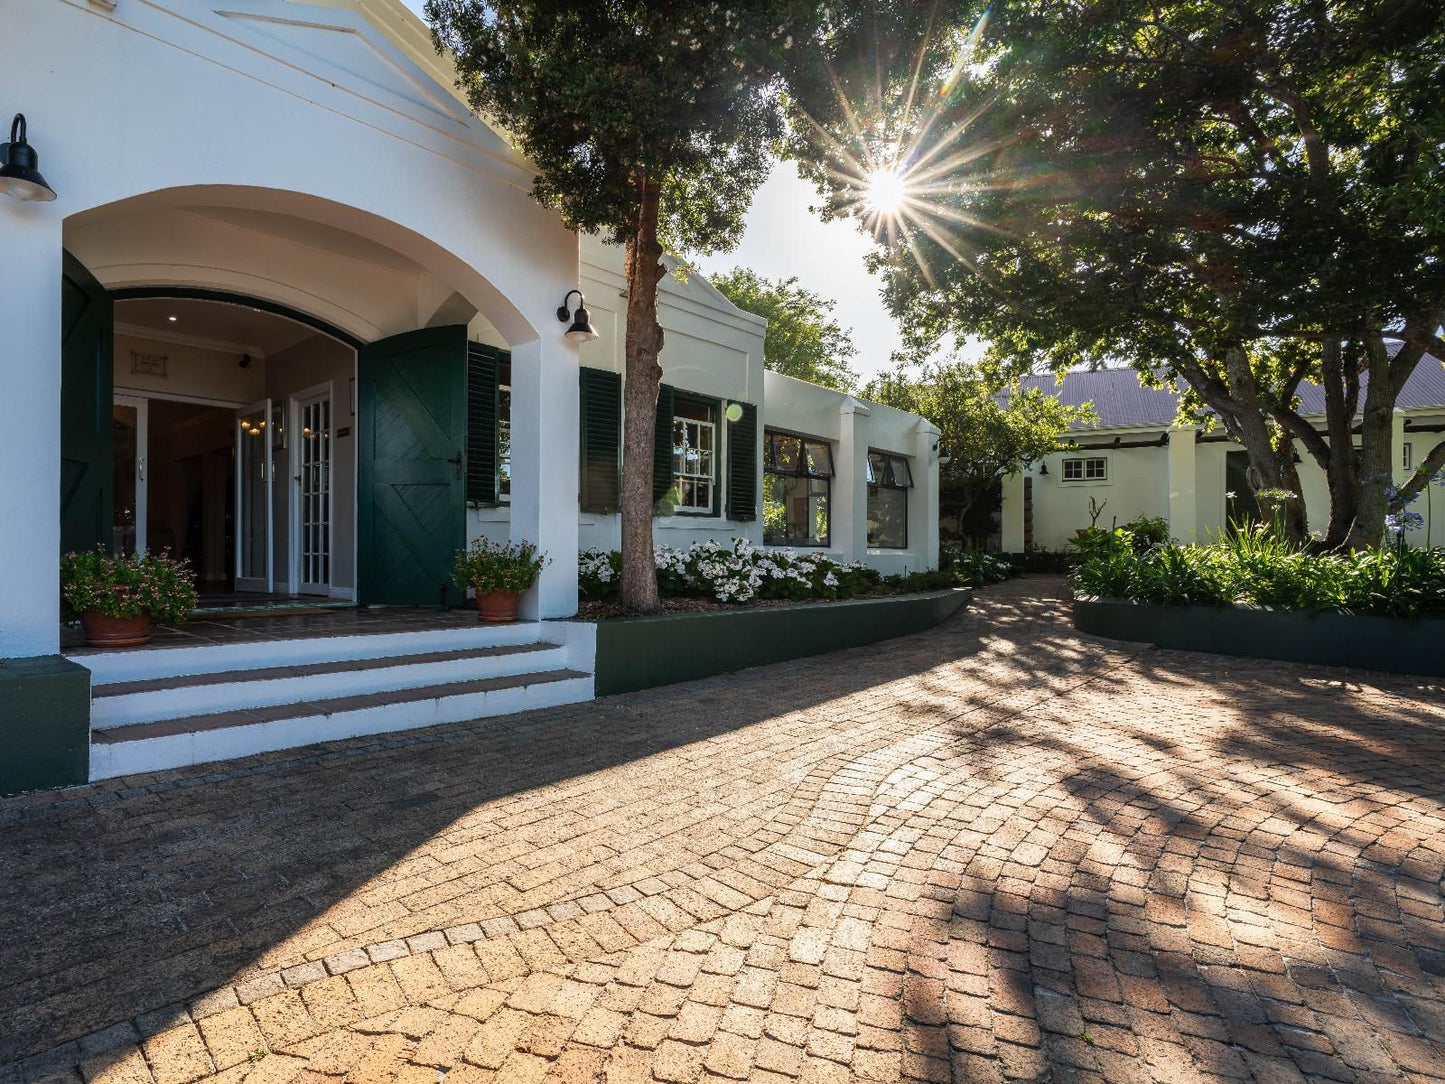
[498,605]
[102,631]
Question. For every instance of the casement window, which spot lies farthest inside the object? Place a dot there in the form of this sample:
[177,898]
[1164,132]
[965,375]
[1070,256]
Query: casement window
[687,460]
[1094,468]
[695,455]
[797,490]
[1407,456]
[889,480]
[504,433]
[489,425]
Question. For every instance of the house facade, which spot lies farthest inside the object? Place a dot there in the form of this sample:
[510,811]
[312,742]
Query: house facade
[1135,461]
[293,314]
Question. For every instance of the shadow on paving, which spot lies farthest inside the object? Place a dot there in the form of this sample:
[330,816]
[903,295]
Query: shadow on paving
[1256,899]
[108,911]
[1083,815]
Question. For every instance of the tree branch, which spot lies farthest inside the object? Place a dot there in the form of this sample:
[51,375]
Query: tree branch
[1430,466]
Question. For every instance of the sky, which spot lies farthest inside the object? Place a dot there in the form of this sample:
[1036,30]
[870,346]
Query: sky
[784,238]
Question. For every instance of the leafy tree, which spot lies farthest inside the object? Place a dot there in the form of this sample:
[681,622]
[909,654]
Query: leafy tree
[1234,196]
[651,124]
[988,431]
[803,339]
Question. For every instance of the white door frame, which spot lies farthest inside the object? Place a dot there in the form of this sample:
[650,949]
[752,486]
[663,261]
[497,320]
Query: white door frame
[295,403]
[255,583]
[142,451]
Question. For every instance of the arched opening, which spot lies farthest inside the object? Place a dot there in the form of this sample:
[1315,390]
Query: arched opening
[283,392]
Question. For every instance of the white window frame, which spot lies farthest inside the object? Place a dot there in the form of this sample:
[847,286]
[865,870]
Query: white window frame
[679,459]
[1084,463]
[504,444]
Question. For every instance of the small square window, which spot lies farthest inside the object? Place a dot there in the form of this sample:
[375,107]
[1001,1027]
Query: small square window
[1091,469]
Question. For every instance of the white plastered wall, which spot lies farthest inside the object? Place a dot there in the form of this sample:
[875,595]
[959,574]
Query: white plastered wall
[1139,484]
[342,161]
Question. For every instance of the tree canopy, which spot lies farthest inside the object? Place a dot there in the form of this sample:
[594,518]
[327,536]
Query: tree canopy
[1232,195]
[803,339]
[650,124]
[987,430]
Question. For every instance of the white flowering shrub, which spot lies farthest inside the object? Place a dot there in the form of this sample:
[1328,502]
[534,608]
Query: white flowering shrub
[735,571]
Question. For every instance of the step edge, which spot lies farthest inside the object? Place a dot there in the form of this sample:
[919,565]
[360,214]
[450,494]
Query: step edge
[116,734]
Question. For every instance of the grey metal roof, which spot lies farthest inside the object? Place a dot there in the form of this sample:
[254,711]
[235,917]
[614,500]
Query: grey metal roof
[1119,400]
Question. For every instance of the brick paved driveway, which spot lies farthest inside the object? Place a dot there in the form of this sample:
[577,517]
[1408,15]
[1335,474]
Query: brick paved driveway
[997,850]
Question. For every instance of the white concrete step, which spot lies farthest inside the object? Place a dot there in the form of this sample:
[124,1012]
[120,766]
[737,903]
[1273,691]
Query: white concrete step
[142,664]
[119,703]
[201,738]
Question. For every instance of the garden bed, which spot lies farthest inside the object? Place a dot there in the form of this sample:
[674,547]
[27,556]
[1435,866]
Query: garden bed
[685,644]
[1397,645]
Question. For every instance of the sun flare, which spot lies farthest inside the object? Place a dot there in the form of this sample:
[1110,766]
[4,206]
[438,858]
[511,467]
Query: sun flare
[886,192]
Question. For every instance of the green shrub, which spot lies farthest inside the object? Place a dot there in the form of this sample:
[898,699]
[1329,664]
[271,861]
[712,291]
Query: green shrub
[1148,531]
[1255,568]
[1042,561]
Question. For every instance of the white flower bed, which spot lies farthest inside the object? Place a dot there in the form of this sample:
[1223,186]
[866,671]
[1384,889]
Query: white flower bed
[734,572]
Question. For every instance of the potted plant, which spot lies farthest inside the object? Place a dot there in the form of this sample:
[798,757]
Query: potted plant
[498,573]
[117,598]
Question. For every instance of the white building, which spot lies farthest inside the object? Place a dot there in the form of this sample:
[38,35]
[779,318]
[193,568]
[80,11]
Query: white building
[293,314]
[1136,462]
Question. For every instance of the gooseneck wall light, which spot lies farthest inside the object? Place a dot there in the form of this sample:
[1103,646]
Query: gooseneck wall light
[581,330]
[20,167]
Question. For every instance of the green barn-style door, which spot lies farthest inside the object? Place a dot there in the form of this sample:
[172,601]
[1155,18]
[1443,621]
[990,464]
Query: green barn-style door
[87,481]
[411,468]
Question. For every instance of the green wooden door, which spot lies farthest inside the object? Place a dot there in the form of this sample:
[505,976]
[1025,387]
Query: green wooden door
[411,473]
[87,482]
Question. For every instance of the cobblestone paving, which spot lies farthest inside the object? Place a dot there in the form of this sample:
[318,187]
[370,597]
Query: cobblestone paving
[995,851]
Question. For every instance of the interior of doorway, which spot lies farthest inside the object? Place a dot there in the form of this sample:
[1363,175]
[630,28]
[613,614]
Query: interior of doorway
[233,448]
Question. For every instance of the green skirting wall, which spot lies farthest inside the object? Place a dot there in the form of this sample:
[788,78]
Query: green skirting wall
[1392,644]
[44,723]
[643,652]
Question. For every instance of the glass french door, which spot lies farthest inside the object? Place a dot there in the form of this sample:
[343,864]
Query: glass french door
[311,534]
[129,426]
[255,474]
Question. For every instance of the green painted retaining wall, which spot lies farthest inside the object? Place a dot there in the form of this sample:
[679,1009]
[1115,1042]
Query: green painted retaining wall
[1393,644]
[44,723]
[643,652]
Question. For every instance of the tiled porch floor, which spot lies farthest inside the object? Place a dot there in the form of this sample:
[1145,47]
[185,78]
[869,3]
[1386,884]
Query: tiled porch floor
[210,629]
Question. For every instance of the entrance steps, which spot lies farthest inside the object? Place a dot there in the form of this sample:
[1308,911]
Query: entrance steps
[173,707]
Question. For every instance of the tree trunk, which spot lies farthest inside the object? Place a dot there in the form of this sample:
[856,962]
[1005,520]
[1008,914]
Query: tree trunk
[1273,468]
[1377,457]
[1342,468]
[642,376]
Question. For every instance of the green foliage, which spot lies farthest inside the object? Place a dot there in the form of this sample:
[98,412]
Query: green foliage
[1148,531]
[487,566]
[1256,568]
[987,429]
[155,584]
[803,338]
[1230,195]
[972,568]
[602,97]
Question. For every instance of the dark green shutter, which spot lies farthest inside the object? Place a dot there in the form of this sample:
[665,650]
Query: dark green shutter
[662,446]
[600,410]
[482,362]
[87,418]
[743,465]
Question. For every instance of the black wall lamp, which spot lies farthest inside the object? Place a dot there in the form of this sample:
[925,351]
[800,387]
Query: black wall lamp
[20,167]
[581,330]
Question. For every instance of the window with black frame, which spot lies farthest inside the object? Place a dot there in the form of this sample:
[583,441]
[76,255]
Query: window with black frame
[797,486]
[889,480]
